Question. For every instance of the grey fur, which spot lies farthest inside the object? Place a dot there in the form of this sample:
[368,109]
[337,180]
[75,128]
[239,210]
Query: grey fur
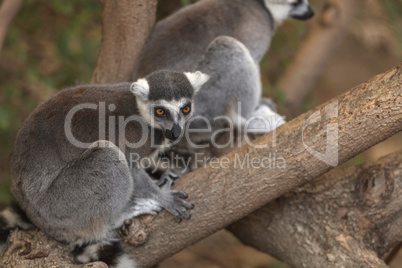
[80,195]
[179,41]
[209,36]
[164,82]
[225,59]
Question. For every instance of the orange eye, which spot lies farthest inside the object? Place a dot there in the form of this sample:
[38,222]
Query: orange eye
[159,112]
[186,109]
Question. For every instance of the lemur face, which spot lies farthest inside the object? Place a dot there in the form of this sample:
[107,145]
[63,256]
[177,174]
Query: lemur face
[165,99]
[283,9]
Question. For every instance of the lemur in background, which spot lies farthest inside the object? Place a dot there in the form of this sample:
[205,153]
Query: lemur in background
[226,95]
[178,41]
[80,195]
[193,38]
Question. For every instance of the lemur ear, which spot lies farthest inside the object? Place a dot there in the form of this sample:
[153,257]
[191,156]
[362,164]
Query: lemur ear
[197,79]
[140,88]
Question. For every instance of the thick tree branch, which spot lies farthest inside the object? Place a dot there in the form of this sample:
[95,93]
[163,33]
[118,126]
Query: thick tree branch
[344,219]
[316,52]
[363,116]
[8,11]
[126,25]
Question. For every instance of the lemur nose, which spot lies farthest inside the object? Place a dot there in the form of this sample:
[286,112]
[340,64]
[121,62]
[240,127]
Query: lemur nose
[176,131]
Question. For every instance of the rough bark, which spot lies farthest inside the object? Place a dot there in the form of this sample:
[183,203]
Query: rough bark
[343,219]
[316,52]
[8,10]
[363,116]
[126,25]
[35,249]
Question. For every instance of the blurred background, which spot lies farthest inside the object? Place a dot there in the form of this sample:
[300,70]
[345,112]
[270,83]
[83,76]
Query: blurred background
[51,46]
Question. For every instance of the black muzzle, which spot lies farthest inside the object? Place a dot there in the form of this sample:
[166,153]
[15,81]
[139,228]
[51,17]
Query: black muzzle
[174,133]
[308,14]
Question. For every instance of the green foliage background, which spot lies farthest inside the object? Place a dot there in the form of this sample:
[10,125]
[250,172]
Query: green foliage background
[49,46]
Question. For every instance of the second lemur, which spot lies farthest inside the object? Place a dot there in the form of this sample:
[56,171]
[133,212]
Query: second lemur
[178,41]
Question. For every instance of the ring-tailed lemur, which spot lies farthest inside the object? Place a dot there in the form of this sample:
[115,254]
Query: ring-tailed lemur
[73,170]
[196,32]
[179,41]
[226,95]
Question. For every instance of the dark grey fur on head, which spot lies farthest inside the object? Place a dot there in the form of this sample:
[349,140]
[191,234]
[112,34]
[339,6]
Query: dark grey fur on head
[168,85]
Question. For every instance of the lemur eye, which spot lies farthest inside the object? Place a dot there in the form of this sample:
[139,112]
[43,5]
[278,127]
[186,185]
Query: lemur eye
[159,112]
[186,109]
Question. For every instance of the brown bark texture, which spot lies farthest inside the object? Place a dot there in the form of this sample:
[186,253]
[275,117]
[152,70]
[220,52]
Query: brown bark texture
[316,52]
[362,117]
[35,249]
[8,10]
[126,25]
[345,218]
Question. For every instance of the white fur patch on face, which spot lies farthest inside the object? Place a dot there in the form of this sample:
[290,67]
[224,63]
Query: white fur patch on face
[197,79]
[140,88]
[279,9]
[145,111]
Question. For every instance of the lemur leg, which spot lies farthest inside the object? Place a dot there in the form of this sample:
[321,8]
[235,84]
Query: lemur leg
[270,103]
[148,196]
[264,120]
[234,89]
[81,205]
[96,185]
[237,88]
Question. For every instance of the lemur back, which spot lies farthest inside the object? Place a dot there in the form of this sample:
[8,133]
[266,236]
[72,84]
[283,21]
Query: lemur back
[73,173]
[178,41]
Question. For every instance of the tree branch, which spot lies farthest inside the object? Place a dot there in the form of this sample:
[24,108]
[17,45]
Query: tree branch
[316,52]
[364,116]
[344,219]
[126,25]
[8,11]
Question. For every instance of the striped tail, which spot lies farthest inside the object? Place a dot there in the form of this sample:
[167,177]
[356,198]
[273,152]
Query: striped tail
[10,218]
[109,252]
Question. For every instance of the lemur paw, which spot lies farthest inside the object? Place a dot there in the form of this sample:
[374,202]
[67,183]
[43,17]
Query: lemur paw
[167,177]
[178,207]
[175,203]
